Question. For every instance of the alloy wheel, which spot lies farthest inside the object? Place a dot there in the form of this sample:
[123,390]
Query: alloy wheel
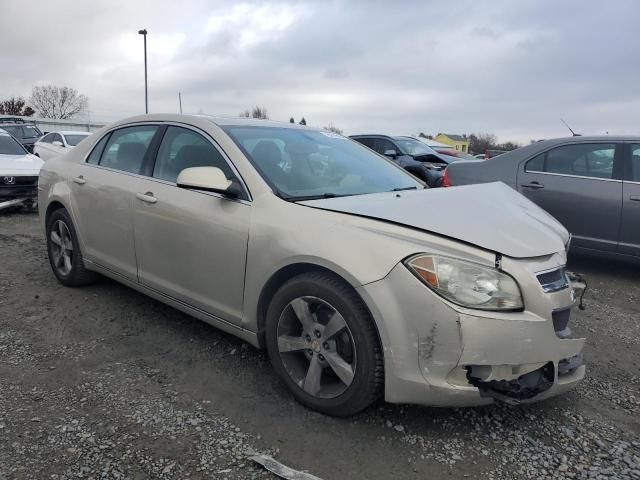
[61,247]
[316,347]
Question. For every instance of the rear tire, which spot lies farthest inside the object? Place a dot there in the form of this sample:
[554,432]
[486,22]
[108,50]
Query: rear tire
[319,331]
[63,248]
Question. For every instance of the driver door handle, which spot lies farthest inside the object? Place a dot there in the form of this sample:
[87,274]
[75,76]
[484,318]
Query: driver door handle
[79,180]
[146,197]
[534,185]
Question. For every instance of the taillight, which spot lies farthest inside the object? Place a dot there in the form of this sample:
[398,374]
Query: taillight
[446,182]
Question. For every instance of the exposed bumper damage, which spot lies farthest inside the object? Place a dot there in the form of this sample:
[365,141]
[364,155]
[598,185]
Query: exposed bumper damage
[441,355]
[526,386]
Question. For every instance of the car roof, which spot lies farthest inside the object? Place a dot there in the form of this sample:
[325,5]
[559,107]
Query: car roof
[220,121]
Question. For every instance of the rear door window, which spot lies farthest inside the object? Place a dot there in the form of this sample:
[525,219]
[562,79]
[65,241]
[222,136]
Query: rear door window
[594,160]
[127,147]
[94,156]
[635,163]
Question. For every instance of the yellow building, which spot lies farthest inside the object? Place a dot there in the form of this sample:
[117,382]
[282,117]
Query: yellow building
[458,142]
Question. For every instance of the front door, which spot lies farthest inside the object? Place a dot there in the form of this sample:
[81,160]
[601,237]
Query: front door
[580,185]
[630,228]
[103,189]
[191,245]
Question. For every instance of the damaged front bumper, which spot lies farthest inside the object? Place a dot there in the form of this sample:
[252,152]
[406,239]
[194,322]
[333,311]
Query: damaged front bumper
[440,354]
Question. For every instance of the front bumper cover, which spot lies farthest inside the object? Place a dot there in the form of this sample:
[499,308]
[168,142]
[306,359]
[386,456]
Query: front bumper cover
[441,355]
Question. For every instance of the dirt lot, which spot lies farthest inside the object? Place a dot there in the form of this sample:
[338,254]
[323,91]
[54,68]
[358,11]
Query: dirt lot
[102,382]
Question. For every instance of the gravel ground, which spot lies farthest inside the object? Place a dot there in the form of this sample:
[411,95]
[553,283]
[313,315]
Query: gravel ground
[102,382]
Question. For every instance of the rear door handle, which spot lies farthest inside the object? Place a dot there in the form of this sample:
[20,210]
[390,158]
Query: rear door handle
[635,198]
[146,197]
[533,185]
[79,180]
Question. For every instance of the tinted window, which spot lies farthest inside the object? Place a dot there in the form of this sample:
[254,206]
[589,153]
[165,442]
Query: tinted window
[382,145]
[586,160]
[31,131]
[635,163]
[307,163]
[57,138]
[47,138]
[127,147]
[13,130]
[183,148]
[536,164]
[94,157]
[365,141]
[9,146]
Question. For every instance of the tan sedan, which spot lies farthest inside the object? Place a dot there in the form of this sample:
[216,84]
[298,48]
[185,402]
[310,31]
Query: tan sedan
[357,279]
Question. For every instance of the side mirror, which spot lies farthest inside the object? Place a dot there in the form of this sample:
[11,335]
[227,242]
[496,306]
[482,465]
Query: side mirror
[209,179]
[390,153]
[57,143]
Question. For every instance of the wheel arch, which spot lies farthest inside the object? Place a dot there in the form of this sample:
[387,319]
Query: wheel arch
[52,207]
[284,274]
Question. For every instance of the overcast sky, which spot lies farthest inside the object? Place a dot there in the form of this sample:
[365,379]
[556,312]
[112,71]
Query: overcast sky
[512,68]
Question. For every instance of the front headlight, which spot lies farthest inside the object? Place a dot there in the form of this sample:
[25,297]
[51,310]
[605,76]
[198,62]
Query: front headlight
[467,284]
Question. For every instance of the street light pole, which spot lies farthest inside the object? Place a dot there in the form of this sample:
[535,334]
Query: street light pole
[146,88]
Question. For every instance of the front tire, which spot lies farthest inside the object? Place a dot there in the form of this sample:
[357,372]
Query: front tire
[322,342]
[63,248]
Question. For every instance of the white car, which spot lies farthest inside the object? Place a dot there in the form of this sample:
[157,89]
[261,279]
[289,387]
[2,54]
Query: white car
[19,172]
[54,144]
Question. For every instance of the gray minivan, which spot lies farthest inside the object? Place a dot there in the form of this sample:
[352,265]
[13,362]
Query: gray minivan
[590,184]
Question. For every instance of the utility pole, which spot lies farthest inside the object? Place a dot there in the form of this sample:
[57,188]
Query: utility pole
[143,32]
[180,101]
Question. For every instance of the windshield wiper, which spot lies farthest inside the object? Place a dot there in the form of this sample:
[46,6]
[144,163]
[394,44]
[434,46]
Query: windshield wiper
[404,188]
[302,198]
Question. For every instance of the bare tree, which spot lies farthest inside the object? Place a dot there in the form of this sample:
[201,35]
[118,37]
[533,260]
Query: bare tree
[15,106]
[51,101]
[332,128]
[481,142]
[256,112]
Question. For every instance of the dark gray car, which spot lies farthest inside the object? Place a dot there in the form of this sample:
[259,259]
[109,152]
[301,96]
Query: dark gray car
[590,184]
[25,133]
[410,154]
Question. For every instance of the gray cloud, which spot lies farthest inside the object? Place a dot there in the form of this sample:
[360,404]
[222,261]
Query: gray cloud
[512,68]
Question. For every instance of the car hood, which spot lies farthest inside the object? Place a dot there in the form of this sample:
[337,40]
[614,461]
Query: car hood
[492,216]
[20,164]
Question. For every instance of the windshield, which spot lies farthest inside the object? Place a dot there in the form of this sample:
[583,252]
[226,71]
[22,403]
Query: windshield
[304,164]
[9,146]
[414,147]
[29,131]
[75,139]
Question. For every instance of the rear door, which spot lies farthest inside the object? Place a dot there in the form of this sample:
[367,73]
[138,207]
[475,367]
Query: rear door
[191,245]
[580,184]
[630,227]
[103,188]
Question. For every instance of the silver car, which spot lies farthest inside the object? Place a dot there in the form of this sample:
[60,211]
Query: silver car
[356,279]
